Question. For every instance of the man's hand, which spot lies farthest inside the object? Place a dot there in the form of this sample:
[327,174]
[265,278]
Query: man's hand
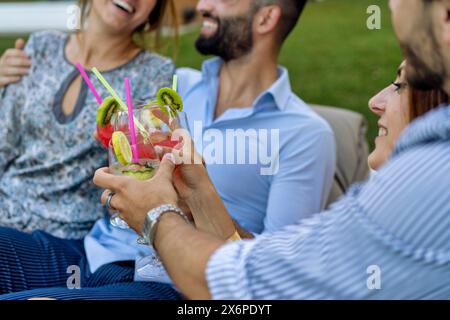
[196,189]
[14,64]
[190,176]
[134,198]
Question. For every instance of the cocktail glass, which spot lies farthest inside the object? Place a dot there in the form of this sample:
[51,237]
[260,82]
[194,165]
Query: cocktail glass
[156,127]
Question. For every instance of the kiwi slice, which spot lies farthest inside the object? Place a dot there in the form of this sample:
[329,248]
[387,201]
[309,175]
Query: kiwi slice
[106,111]
[143,174]
[157,122]
[169,97]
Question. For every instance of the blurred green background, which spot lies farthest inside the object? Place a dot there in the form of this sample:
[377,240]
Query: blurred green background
[333,59]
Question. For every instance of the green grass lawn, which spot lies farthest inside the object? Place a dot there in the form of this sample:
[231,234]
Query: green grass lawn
[332,57]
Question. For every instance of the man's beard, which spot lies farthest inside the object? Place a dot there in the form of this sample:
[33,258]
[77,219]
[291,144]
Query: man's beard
[232,40]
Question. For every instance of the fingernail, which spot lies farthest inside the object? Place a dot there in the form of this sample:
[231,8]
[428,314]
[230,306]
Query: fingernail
[170,157]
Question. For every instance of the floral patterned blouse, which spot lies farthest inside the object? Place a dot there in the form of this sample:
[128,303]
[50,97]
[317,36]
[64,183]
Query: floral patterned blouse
[47,159]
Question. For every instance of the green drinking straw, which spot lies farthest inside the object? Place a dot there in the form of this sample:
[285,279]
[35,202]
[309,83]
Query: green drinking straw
[109,88]
[122,104]
[175,83]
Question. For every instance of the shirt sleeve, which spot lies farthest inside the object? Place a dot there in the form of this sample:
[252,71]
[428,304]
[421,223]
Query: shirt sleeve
[187,78]
[12,101]
[387,239]
[304,179]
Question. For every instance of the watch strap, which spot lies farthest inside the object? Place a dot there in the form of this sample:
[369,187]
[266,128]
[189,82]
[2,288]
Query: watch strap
[152,219]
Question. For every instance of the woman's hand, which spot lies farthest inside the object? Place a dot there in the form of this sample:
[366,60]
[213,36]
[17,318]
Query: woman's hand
[14,64]
[134,198]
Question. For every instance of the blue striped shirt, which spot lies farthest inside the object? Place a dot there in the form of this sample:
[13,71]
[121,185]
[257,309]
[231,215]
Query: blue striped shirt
[386,239]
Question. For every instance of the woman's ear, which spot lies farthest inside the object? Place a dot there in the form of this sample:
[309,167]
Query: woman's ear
[446,29]
[444,20]
[267,19]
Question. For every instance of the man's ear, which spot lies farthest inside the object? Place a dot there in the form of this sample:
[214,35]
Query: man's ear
[267,19]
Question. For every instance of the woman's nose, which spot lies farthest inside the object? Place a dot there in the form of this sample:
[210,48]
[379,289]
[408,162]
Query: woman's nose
[378,103]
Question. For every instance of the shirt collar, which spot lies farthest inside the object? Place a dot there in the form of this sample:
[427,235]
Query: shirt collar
[211,68]
[279,93]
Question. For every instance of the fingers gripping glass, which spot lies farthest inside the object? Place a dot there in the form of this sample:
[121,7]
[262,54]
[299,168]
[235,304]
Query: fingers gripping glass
[159,127]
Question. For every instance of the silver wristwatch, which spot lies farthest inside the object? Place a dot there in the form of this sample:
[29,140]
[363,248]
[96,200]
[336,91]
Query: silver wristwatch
[152,219]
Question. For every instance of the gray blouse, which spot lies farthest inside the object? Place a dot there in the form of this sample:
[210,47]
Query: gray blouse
[47,159]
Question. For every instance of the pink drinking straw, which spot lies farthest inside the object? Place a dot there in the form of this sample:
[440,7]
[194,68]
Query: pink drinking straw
[131,117]
[89,83]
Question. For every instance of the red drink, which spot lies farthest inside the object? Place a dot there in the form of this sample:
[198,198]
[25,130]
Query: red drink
[167,143]
[105,134]
[163,139]
[145,150]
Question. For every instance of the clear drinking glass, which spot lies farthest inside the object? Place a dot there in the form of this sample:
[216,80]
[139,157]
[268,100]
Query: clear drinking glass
[156,127]
[148,159]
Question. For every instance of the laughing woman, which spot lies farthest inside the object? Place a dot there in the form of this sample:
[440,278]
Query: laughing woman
[397,106]
[48,155]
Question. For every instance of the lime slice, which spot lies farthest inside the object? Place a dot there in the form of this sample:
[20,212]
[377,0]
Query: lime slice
[157,122]
[155,116]
[122,148]
[150,118]
[144,174]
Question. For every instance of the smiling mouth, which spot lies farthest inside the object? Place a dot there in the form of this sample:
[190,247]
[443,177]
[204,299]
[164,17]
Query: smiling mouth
[210,25]
[124,6]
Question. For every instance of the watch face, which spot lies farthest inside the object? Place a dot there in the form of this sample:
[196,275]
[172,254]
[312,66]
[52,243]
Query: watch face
[152,218]
[143,240]
[147,225]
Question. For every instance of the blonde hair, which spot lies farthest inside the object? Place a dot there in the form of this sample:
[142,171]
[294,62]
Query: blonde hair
[163,15]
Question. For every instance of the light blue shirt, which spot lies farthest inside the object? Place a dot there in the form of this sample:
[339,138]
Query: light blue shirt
[260,195]
[306,154]
[386,239]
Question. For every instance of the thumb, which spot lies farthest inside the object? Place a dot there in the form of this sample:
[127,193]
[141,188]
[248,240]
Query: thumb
[20,44]
[166,167]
